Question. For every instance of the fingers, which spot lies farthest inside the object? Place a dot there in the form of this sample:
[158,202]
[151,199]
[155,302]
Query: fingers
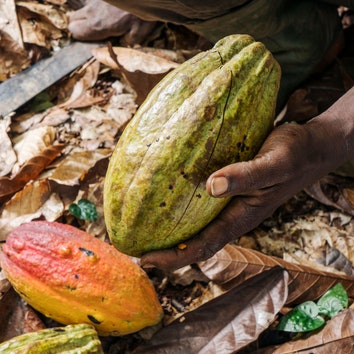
[76,20]
[237,218]
[88,24]
[195,250]
[280,159]
[242,178]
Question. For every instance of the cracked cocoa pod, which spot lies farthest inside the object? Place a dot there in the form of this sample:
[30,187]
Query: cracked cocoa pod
[213,110]
[73,277]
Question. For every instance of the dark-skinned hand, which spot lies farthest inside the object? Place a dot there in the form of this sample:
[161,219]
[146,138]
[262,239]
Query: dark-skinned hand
[292,157]
[89,25]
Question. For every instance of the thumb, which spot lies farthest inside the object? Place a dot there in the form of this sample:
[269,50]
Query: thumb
[241,178]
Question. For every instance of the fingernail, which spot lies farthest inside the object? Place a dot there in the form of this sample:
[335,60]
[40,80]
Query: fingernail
[219,185]
[148,266]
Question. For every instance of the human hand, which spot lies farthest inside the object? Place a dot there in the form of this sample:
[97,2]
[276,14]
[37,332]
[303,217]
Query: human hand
[292,157]
[98,20]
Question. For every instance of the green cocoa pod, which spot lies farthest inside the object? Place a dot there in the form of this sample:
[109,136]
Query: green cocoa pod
[213,110]
[75,339]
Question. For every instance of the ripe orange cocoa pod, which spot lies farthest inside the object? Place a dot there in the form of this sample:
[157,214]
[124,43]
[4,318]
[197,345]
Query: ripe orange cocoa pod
[73,277]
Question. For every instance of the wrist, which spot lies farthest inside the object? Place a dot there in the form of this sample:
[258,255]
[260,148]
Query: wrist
[332,132]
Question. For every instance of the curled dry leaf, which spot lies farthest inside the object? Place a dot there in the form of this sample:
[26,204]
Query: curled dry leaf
[31,144]
[122,104]
[334,190]
[13,58]
[34,201]
[300,107]
[29,171]
[53,116]
[8,298]
[36,28]
[75,167]
[332,257]
[232,265]
[97,129]
[226,323]
[186,276]
[60,2]
[349,195]
[81,96]
[7,154]
[301,239]
[141,70]
[18,315]
[134,60]
[9,23]
[52,13]
[337,336]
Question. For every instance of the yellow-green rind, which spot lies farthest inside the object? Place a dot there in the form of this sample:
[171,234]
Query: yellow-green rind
[71,339]
[155,194]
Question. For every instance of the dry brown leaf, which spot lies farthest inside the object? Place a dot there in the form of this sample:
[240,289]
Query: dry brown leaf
[233,265]
[66,86]
[332,257]
[34,201]
[58,2]
[74,168]
[81,95]
[333,190]
[141,70]
[87,99]
[20,319]
[134,60]
[176,55]
[187,275]
[51,117]
[122,104]
[301,239]
[8,21]
[13,58]
[7,154]
[348,194]
[300,106]
[54,117]
[226,323]
[37,29]
[97,129]
[31,144]
[53,14]
[29,171]
[8,299]
[337,336]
